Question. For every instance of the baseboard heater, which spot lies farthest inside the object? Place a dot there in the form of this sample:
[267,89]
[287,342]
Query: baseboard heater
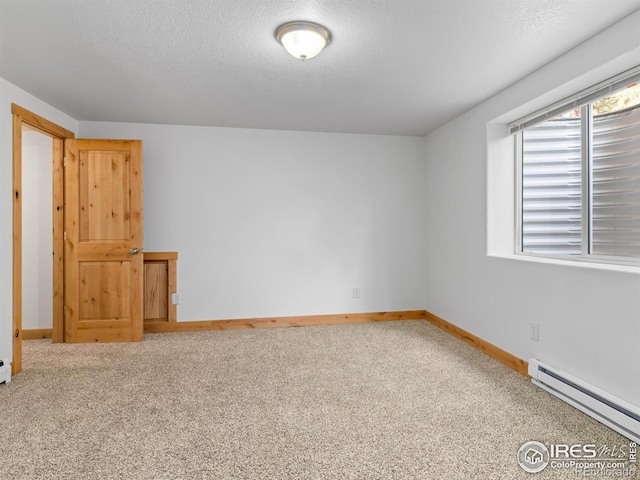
[5,371]
[614,412]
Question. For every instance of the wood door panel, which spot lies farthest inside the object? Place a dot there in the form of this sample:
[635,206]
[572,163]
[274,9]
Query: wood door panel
[104,291]
[103,229]
[155,291]
[105,186]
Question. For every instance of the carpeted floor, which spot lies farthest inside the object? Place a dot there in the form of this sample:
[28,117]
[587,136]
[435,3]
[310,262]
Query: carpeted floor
[393,400]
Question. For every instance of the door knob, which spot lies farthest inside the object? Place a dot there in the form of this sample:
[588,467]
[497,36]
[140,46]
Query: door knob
[134,251]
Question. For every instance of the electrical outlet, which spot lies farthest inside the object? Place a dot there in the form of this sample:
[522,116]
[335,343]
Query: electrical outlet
[356,292]
[534,331]
[175,298]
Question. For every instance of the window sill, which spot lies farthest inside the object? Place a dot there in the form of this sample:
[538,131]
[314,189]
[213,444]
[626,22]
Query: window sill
[580,263]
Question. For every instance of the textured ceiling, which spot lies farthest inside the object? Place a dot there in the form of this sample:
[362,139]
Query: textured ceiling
[400,67]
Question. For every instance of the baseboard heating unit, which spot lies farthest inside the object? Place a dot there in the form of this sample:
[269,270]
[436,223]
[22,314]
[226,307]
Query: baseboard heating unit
[5,371]
[614,412]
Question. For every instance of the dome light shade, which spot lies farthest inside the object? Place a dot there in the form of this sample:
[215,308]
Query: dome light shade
[303,40]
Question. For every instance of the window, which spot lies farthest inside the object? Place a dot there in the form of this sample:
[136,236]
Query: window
[579,175]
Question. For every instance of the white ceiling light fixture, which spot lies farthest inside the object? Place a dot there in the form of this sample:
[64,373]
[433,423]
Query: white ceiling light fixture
[303,40]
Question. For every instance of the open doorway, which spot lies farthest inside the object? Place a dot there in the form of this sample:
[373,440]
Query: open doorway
[24,123]
[37,233]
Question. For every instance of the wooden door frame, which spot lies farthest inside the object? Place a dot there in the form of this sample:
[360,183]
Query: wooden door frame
[22,117]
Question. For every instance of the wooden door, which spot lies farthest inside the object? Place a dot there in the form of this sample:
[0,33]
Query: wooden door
[103,241]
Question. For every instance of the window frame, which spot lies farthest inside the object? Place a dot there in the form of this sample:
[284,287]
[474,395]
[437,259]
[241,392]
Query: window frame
[586,164]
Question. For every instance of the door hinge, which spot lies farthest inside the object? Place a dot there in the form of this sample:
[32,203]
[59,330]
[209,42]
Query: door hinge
[64,235]
[65,309]
[64,162]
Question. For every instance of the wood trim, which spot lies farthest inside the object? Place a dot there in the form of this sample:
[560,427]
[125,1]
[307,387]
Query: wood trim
[172,285]
[37,333]
[485,347]
[58,241]
[160,256]
[17,245]
[41,123]
[137,235]
[272,322]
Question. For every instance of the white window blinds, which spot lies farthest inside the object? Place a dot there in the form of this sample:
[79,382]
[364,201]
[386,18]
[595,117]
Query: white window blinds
[615,181]
[551,189]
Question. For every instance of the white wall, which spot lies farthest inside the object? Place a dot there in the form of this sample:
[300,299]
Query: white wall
[589,317]
[277,223]
[11,94]
[37,230]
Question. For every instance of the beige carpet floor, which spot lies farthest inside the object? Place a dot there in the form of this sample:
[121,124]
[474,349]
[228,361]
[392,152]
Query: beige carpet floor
[393,400]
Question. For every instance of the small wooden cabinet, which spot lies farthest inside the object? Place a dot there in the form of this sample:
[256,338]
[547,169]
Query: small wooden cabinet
[159,283]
